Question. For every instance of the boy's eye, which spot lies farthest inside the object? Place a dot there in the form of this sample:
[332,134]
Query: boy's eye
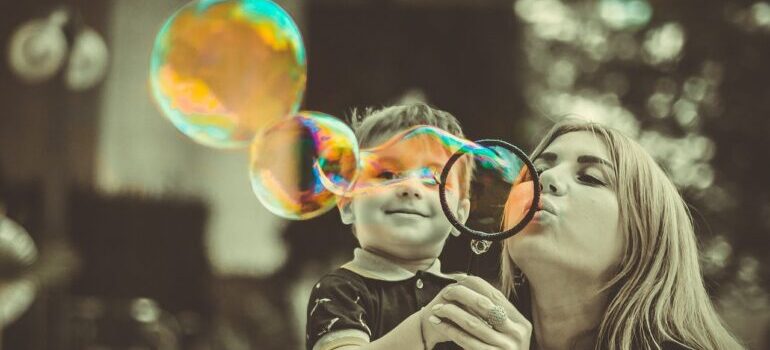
[430,176]
[386,175]
[433,181]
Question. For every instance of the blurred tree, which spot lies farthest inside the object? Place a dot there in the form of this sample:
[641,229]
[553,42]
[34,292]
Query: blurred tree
[688,80]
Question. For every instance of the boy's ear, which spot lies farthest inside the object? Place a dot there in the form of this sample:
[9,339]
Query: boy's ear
[463,211]
[346,211]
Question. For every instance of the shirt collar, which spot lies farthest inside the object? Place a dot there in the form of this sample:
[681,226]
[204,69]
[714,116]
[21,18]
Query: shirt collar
[373,266]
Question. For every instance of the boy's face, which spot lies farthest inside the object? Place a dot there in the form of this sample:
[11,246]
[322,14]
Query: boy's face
[403,219]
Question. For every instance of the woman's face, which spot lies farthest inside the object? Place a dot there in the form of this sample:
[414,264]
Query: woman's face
[577,226]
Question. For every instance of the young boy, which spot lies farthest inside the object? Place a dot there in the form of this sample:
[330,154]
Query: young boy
[401,230]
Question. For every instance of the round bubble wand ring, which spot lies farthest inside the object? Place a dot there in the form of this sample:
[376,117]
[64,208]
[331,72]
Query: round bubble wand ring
[481,241]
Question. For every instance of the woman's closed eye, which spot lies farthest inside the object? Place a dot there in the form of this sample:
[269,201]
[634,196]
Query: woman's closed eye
[582,177]
[590,179]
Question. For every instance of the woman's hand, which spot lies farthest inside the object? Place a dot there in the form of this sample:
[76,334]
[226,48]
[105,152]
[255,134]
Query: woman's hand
[462,317]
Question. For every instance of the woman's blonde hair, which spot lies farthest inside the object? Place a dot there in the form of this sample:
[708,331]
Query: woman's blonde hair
[658,294]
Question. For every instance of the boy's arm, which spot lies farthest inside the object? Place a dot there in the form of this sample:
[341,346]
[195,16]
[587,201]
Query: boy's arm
[414,333]
[406,336]
[337,319]
[337,313]
[342,339]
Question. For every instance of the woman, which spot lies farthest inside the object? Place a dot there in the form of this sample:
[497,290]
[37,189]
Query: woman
[609,262]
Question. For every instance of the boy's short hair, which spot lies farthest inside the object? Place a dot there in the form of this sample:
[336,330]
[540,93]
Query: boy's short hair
[374,123]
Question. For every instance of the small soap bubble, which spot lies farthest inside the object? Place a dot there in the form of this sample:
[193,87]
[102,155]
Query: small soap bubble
[479,247]
[294,161]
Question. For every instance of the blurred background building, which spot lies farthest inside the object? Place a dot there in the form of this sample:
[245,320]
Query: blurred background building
[147,240]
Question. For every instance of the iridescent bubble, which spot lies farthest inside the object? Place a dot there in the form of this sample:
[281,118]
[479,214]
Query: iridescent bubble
[480,246]
[292,161]
[418,153]
[495,176]
[224,70]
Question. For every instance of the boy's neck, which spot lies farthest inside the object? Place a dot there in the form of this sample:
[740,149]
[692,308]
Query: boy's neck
[411,265]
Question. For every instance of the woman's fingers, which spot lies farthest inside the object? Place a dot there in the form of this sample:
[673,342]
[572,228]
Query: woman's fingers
[468,308]
[468,340]
[475,302]
[483,287]
[515,326]
[459,336]
[480,307]
[470,324]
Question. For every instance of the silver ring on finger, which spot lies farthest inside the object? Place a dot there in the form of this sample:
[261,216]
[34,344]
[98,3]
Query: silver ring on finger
[496,316]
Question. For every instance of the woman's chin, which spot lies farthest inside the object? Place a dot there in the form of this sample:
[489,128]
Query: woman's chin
[533,242]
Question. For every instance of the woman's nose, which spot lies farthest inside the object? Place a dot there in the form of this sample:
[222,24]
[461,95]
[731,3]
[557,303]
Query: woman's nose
[549,183]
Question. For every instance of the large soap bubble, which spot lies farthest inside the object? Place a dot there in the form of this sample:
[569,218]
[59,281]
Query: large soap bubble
[223,70]
[295,160]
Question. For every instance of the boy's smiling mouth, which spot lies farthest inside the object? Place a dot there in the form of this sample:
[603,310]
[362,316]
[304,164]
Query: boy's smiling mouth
[407,211]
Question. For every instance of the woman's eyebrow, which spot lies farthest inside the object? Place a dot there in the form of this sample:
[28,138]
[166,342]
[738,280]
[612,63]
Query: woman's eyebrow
[586,159]
[548,157]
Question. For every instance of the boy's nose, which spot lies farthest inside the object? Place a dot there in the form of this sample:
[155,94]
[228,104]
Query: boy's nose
[407,191]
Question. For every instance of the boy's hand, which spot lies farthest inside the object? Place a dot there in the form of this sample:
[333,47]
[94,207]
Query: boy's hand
[430,333]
